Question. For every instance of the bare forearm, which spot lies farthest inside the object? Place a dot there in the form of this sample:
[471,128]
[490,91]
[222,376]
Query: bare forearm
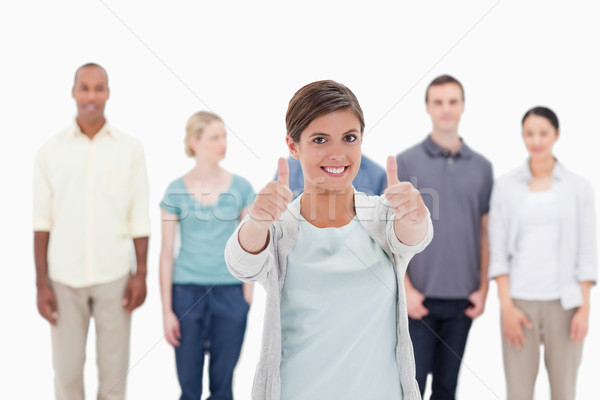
[40,252]
[484,273]
[410,235]
[407,283]
[503,290]
[141,253]
[485,252]
[248,290]
[585,291]
[253,236]
[166,280]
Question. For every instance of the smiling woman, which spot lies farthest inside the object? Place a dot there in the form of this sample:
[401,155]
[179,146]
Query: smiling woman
[330,161]
[543,258]
[176,58]
[333,325]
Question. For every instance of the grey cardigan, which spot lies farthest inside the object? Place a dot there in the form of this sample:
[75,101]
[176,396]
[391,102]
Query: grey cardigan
[268,268]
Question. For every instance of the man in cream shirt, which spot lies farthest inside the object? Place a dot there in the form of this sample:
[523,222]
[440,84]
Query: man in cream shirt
[90,199]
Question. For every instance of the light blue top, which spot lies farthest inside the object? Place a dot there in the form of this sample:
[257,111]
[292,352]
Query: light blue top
[205,230]
[338,317]
[269,267]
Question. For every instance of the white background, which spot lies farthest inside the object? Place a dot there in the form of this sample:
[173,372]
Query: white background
[244,60]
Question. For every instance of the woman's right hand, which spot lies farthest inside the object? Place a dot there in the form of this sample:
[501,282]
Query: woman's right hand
[513,321]
[270,203]
[273,199]
[171,328]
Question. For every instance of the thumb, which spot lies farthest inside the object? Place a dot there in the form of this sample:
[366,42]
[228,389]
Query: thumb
[573,332]
[177,330]
[283,172]
[126,297]
[53,311]
[392,171]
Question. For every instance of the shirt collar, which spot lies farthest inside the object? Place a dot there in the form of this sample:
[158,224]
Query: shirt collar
[104,131]
[434,150]
[558,172]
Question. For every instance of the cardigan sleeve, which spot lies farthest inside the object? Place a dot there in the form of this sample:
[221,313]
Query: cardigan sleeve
[245,266]
[400,248]
[385,214]
[587,252]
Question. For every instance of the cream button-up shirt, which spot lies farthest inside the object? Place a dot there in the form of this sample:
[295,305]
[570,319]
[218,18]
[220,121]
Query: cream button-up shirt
[92,196]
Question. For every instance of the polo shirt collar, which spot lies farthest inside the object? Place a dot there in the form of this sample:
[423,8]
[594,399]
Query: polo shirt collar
[434,150]
[558,172]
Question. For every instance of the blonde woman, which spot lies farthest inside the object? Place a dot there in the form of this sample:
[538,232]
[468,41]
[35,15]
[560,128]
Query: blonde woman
[204,306]
[543,258]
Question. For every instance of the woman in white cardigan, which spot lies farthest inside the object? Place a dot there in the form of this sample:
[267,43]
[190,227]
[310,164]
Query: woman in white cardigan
[332,263]
[543,258]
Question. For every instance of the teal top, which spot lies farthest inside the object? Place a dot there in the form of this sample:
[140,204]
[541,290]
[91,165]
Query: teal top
[338,317]
[205,230]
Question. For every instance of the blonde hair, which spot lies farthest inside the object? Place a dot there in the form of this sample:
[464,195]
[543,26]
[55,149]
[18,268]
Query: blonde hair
[195,126]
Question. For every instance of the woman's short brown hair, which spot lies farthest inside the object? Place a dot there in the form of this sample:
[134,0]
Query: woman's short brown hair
[317,99]
[195,126]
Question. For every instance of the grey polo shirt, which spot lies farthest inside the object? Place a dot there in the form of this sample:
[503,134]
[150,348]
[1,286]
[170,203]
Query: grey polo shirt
[456,189]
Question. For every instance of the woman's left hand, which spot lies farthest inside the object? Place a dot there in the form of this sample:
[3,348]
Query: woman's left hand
[410,212]
[579,325]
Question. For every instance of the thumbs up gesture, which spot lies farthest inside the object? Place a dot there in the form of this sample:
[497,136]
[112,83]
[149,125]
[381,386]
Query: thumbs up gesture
[270,203]
[273,199]
[410,222]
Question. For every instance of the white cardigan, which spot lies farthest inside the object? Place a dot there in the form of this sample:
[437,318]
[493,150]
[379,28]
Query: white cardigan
[577,252]
[268,268]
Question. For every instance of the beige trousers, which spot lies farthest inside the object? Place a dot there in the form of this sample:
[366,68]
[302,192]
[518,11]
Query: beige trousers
[551,326]
[75,307]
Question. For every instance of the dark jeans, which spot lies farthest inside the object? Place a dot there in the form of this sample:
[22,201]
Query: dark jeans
[213,319]
[439,343]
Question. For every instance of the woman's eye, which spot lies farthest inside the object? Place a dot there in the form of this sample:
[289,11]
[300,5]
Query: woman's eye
[319,140]
[350,138]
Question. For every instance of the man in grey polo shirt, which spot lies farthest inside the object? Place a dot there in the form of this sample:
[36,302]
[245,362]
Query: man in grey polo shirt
[446,284]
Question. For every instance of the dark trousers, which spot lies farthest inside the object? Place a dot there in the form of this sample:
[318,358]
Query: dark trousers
[213,319]
[439,341]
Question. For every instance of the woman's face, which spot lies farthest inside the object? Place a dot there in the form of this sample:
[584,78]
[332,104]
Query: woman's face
[212,143]
[539,136]
[329,151]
